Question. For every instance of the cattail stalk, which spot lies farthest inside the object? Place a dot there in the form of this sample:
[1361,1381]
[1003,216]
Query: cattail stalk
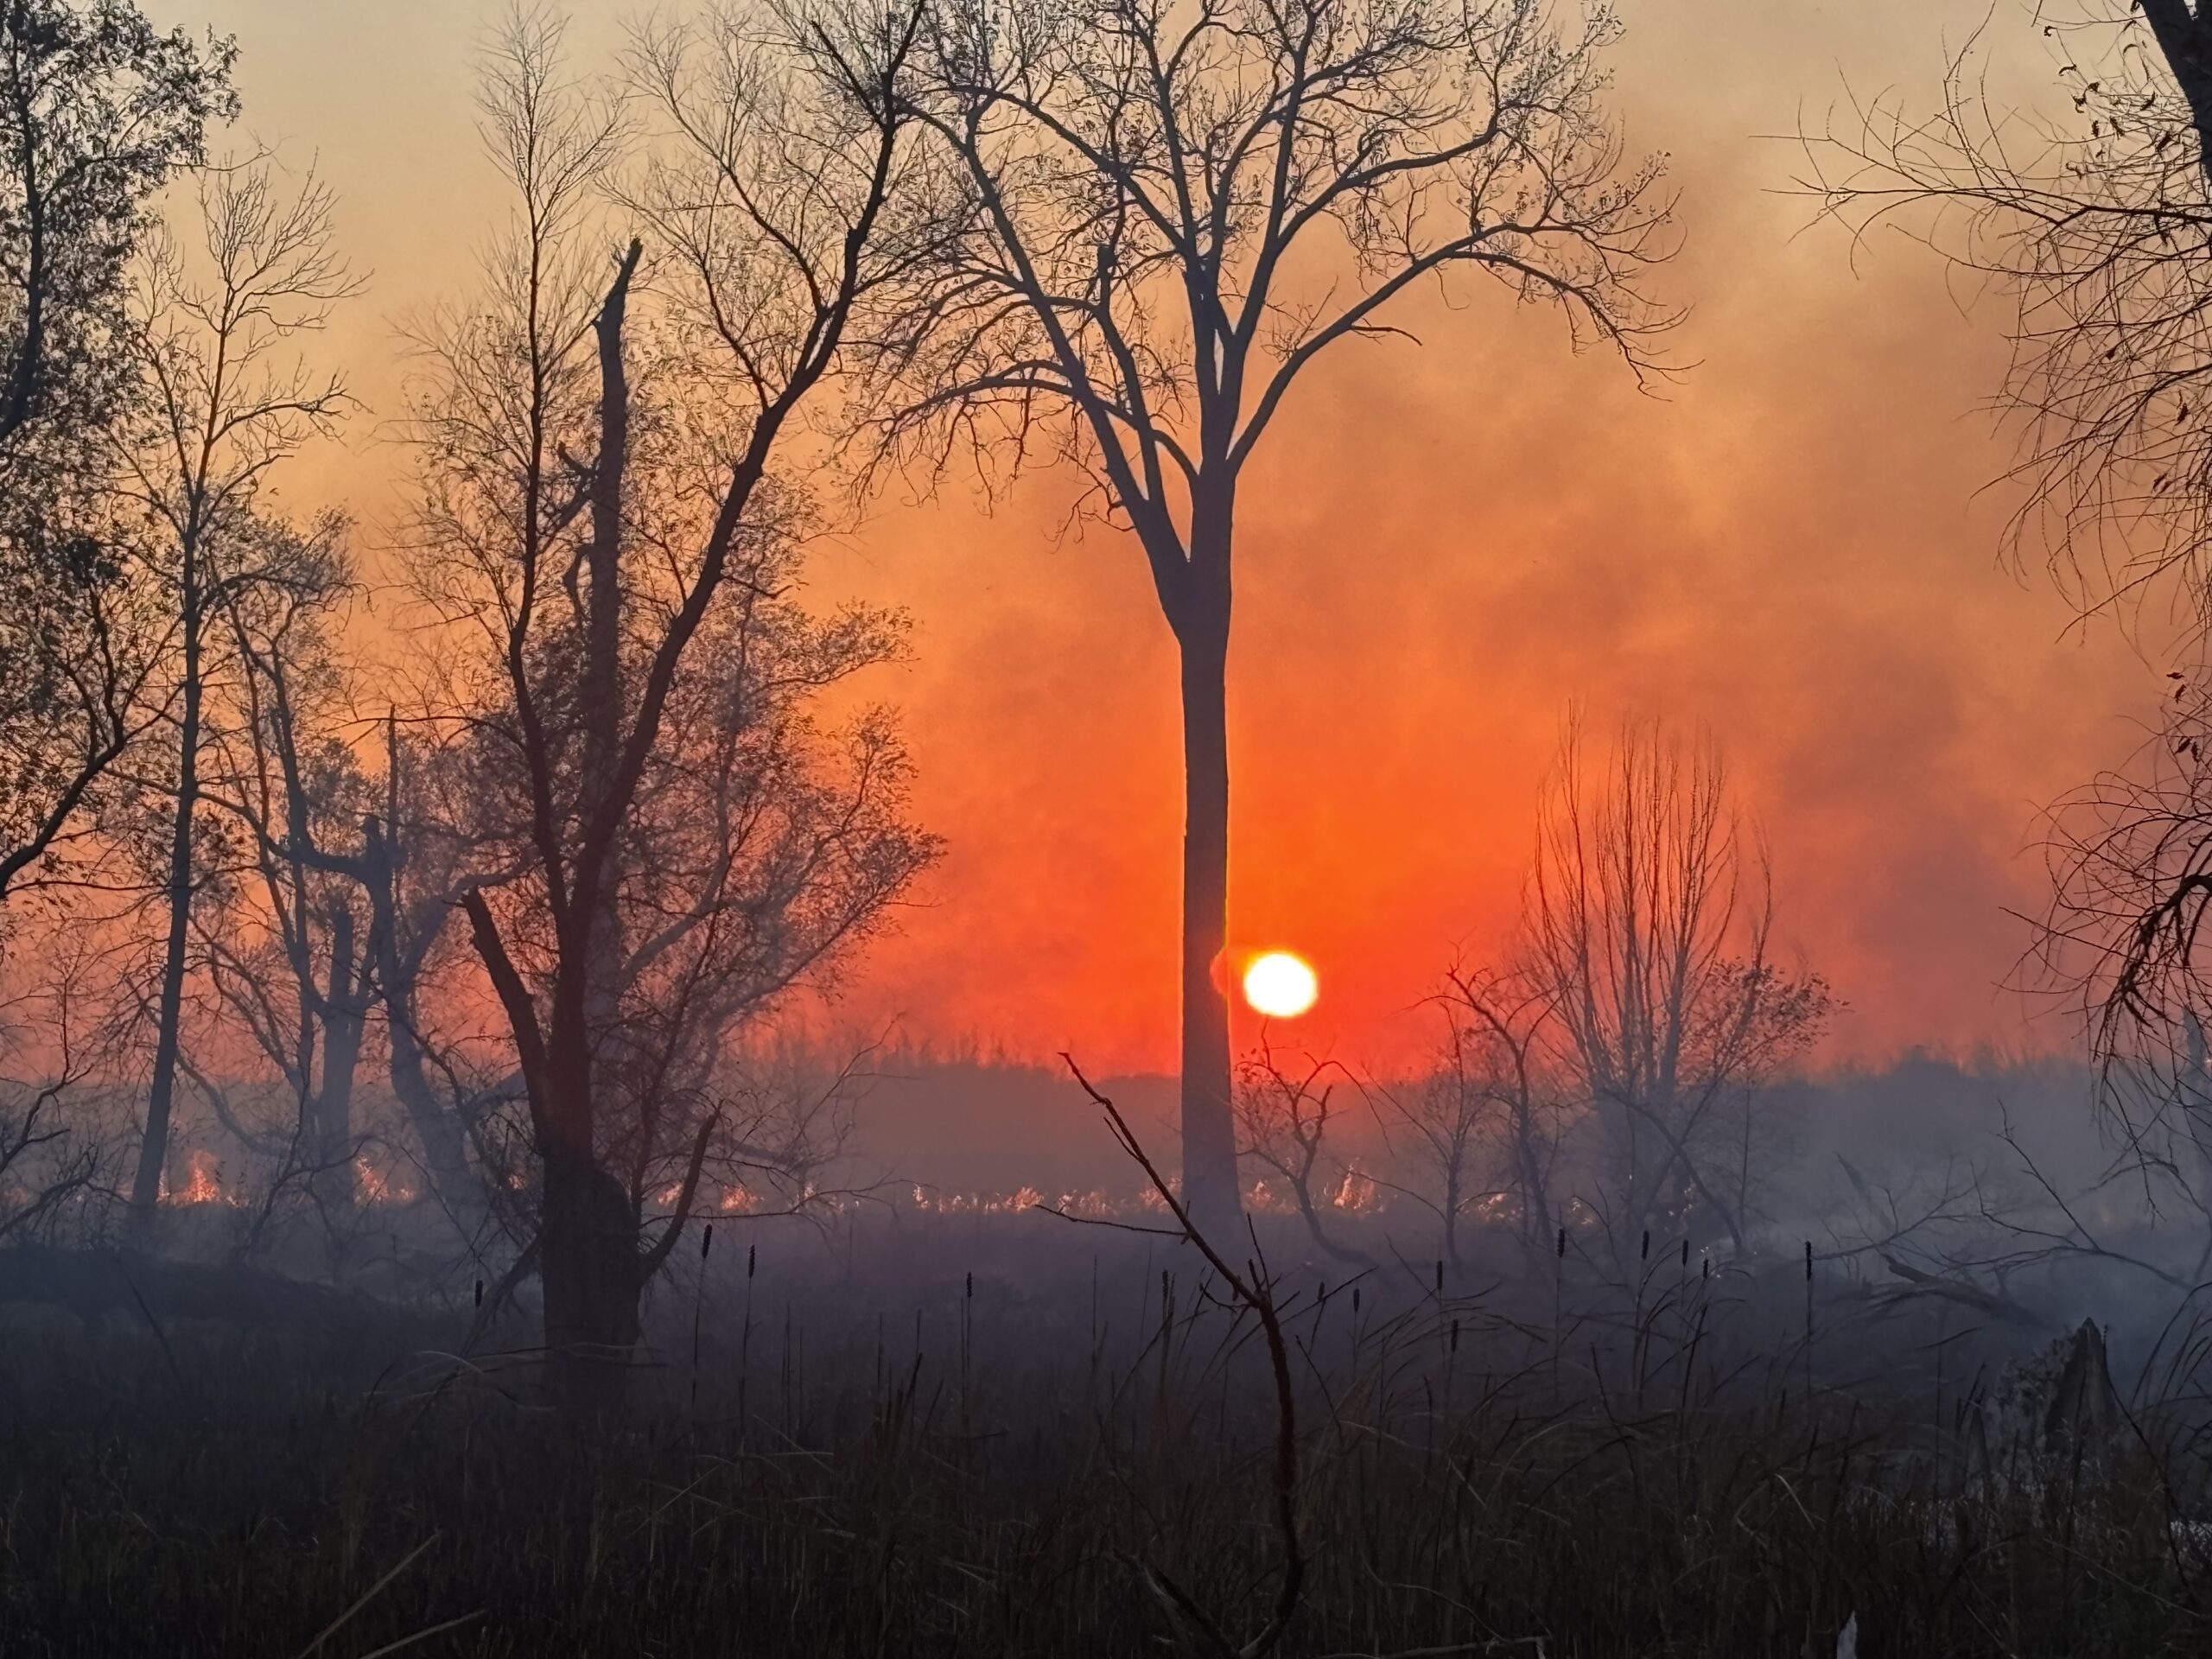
[698,1306]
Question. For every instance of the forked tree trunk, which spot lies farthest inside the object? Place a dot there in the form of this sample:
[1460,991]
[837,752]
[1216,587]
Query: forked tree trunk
[438,1127]
[1209,1131]
[588,1254]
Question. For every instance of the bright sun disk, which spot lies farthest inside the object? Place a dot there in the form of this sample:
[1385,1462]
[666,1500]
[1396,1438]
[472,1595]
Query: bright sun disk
[1279,985]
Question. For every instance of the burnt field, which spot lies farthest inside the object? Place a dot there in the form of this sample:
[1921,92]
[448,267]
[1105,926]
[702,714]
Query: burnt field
[1002,1433]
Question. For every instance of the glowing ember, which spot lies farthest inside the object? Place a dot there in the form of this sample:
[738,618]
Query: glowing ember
[376,1188]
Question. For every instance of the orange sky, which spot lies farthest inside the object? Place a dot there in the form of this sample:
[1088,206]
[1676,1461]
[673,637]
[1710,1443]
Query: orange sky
[1440,547]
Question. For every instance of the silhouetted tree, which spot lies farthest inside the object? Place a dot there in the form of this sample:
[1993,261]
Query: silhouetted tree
[2094,228]
[1283,1124]
[2091,229]
[1650,917]
[1155,216]
[680,841]
[53,1151]
[290,953]
[98,111]
[2131,861]
[228,401]
[1484,1123]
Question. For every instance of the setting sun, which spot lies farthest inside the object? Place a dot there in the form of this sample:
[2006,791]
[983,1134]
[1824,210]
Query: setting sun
[1279,985]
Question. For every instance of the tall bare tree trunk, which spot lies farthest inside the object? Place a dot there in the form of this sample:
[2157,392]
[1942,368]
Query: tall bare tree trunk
[438,1128]
[343,1010]
[589,1264]
[1209,1132]
[161,1094]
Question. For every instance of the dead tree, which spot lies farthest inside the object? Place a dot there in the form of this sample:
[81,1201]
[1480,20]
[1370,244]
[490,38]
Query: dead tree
[98,111]
[2087,218]
[1482,1125]
[214,337]
[1282,1123]
[682,844]
[1651,913]
[1152,218]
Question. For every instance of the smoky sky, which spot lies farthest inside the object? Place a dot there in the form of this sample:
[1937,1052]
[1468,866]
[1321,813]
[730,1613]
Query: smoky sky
[1441,546]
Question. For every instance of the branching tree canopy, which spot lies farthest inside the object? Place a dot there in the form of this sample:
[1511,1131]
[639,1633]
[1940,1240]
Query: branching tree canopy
[288,942]
[677,837]
[2091,229]
[1494,1093]
[2094,228]
[1652,915]
[1283,1126]
[98,111]
[1153,215]
[215,334]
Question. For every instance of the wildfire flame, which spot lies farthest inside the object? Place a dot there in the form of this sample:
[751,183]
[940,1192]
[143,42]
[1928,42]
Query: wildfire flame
[376,1188]
[202,1183]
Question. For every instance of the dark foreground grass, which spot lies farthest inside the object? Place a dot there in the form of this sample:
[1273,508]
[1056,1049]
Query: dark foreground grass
[996,1476]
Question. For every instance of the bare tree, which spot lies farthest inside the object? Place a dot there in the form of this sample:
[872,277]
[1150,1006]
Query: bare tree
[215,338]
[1283,1124]
[684,843]
[1482,1127]
[791,1121]
[2131,859]
[418,853]
[1650,921]
[98,111]
[80,641]
[53,1152]
[290,953]
[1155,216]
[2091,228]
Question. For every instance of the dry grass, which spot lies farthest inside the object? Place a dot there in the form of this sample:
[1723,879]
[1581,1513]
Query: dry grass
[896,1464]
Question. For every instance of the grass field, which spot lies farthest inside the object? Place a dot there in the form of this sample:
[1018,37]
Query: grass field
[1011,1436]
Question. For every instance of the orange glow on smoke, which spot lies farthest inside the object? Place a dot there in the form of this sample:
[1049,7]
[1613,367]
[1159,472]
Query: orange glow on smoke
[1439,546]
